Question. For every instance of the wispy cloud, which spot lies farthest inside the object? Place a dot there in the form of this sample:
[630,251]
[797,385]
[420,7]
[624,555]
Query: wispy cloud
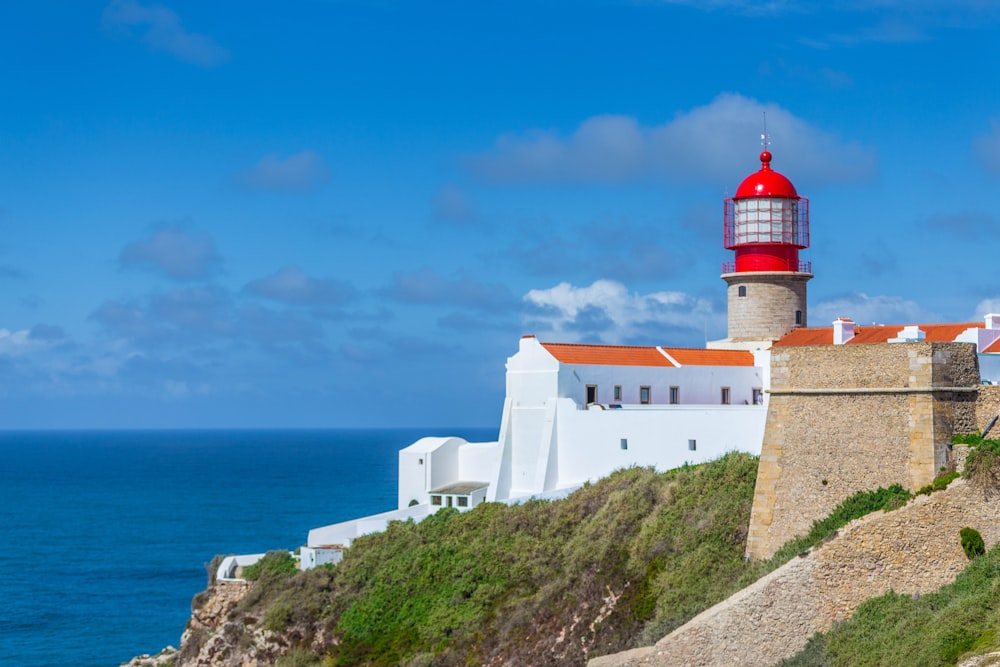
[161,30]
[292,286]
[301,172]
[452,204]
[865,309]
[986,148]
[707,144]
[428,287]
[173,252]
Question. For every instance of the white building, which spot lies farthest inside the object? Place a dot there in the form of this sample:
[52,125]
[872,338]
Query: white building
[575,413]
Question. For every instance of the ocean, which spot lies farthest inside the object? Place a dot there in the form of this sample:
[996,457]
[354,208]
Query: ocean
[105,535]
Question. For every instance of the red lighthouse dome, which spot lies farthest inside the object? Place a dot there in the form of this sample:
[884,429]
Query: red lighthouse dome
[766,223]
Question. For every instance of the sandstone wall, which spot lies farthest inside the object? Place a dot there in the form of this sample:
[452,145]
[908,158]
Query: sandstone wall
[987,407]
[915,549]
[845,418]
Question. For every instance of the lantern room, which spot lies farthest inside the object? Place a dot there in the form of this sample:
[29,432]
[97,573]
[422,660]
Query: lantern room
[766,223]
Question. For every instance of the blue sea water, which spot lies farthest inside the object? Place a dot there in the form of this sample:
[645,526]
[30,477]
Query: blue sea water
[105,536]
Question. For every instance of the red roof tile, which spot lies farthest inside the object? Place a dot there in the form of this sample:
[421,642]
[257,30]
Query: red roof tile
[993,348]
[876,333]
[629,355]
[687,356]
[606,355]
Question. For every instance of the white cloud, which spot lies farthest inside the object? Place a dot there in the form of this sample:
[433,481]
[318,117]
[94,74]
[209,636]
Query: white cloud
[25,341]
[706,144]
[160,28]
[986,307]
[864,309]
[608,311]
[301,172]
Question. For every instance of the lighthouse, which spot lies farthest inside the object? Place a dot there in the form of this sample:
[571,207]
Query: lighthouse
[766,224]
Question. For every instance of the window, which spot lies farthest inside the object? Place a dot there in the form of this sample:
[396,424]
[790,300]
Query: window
[420,462]
[692,445]
[741,290]
[618,392]
[591,393]
[624,443]
[725,395]
[758,397]
[798,317]
[449,500]
[436,500]
[463,501]
[675,395]
[644,395]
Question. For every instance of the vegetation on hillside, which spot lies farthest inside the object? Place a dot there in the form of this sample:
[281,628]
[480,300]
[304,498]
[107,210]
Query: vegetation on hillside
[618,564]
[929,630]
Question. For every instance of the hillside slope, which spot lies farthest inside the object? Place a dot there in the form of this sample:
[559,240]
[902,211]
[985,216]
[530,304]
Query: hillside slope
[619,563]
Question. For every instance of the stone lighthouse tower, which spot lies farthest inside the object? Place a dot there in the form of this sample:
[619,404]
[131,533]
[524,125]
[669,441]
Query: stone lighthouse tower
[766,223]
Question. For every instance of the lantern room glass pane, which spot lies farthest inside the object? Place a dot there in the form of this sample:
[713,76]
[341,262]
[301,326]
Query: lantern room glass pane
[765,220]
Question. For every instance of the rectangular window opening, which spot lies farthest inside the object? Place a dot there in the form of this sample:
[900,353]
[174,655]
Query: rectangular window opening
[449,500]
[618,392]
[725,396]
[644,395]
[742,290]
[624,443]
[436,500]
[675,395]
[591,393]
[463,501]
[758,397]
[692,445]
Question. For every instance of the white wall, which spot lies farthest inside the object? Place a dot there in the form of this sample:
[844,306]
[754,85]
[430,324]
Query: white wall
[700,385]
[590,440]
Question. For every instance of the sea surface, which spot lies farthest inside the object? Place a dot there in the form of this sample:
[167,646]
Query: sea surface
[105,535]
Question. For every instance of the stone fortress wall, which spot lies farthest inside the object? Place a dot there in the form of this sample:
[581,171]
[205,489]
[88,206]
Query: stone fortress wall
[843,418]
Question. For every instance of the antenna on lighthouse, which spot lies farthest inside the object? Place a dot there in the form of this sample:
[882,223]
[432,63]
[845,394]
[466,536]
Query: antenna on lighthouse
[765,140]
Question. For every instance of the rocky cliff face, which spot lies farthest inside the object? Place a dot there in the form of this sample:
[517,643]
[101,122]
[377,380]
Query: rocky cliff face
[219,635]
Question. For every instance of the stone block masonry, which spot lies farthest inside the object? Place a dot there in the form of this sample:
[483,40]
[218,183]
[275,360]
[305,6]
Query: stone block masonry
[846,418]
[766,310]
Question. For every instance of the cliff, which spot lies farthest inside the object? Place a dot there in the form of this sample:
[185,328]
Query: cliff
[545,583]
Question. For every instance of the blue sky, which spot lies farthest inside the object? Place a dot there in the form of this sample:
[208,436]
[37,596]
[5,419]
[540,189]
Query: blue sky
[346,214]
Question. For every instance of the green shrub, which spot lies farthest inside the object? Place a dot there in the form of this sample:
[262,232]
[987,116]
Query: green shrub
[940,483]
[972,542]
[273,564]
[966,439]
[982,467]
[278,617]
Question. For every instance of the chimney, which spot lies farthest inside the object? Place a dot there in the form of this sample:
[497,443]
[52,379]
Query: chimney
[993,321]
[843,330]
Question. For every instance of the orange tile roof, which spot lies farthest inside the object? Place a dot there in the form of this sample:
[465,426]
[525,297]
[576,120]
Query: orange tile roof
[876,333]
[634,355]
[606,355]
[687,356]
[993,348]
